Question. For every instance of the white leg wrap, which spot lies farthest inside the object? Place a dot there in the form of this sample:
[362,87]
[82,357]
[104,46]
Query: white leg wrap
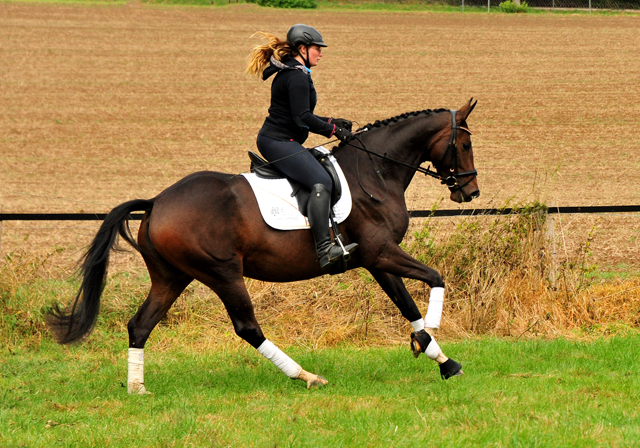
[434,311]
[432,350]
[135,378]
[288,366]
[418,325]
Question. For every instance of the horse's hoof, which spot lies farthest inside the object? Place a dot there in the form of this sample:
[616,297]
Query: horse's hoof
[415,348]
[138,389]
[419,341]
[317,382]
[142,392]
[450,368]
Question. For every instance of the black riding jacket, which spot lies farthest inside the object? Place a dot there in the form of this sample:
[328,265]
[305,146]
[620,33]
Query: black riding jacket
[293,99]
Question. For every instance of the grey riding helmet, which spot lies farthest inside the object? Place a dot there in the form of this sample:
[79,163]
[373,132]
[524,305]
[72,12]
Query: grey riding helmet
[304,35]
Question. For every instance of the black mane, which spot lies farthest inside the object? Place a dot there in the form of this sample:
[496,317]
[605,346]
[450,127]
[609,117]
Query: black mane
[403,116]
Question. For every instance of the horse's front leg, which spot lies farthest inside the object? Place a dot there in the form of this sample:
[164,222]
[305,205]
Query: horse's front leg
[423,337]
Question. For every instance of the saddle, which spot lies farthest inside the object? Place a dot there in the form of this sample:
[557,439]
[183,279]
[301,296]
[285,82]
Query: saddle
[278,217]
[261,168]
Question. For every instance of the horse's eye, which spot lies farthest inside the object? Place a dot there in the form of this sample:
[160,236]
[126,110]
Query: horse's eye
[466,146]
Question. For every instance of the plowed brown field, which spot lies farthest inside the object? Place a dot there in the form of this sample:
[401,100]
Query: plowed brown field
[102,104]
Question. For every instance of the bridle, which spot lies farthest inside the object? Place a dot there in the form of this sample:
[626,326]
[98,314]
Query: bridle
[452,181]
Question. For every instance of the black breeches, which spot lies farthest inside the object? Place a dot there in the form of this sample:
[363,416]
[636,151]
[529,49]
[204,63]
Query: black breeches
[301,167]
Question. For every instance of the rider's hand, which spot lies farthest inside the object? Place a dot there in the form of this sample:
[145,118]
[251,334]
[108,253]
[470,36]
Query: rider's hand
[342,123]
[344,135]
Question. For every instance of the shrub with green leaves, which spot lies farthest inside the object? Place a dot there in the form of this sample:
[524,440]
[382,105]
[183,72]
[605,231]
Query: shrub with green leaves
[509,6]
[305,4]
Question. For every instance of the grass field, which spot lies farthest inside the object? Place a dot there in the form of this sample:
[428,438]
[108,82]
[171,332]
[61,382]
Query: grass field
[515,393]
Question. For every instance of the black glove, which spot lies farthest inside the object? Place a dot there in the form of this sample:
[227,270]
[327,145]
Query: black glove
[344,135]
[342,123]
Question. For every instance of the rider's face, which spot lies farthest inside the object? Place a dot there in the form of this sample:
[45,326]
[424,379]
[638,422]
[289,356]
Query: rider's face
[314,54]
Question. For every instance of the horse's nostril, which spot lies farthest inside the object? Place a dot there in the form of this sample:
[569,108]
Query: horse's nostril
[475,194]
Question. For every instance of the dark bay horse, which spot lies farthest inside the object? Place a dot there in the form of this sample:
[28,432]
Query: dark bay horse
[208,227]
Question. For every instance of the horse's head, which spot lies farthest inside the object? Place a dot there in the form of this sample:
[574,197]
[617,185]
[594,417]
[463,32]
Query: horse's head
[452,155]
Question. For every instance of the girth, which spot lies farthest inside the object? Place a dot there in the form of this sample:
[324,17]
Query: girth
[261,168]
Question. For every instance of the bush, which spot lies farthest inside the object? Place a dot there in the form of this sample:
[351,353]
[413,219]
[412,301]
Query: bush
[510,7]
[499,274]
[306,4]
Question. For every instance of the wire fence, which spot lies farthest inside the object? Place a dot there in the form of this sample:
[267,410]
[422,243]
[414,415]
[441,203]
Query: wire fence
[586,4]
[551,4]
[412,213]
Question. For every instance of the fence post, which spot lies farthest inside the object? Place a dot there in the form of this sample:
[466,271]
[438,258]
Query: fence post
[1,229]
[551,239]
[462,5]
[488,5]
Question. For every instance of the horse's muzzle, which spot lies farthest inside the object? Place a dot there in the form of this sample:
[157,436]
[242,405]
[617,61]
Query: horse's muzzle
[460,196]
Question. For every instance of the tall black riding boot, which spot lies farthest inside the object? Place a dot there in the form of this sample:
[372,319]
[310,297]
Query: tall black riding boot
[318,210]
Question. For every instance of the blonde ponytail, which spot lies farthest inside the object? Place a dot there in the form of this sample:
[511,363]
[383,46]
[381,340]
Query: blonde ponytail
[260,57]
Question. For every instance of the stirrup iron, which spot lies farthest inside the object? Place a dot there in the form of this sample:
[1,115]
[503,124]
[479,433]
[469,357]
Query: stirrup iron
[346,255]
[349,249]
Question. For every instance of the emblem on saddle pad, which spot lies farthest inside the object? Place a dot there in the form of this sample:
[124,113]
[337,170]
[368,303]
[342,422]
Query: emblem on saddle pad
[280,201]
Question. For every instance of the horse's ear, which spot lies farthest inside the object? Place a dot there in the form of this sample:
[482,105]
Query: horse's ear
[465,110]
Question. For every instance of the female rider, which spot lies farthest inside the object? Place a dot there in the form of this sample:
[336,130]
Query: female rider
[291,118]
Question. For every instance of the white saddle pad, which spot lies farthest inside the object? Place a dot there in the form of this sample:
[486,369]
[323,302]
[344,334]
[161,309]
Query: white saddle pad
[280,210]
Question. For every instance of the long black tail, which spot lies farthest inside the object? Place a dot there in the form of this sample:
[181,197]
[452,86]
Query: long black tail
[68,327]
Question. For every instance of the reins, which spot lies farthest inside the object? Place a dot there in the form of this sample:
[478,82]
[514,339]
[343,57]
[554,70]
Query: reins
[451,181]
[377,170]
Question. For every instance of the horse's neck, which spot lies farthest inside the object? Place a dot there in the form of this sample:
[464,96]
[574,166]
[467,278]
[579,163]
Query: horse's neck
[409,146]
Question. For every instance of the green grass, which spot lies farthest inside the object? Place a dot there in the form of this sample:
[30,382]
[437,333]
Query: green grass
[193,2]
[620,271]
[523,393]
[383,5]
[79,2]
[349,5]
[396,6]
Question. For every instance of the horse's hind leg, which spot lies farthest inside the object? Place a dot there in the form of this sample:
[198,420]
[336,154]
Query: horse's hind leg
[167,283]
[237,301]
